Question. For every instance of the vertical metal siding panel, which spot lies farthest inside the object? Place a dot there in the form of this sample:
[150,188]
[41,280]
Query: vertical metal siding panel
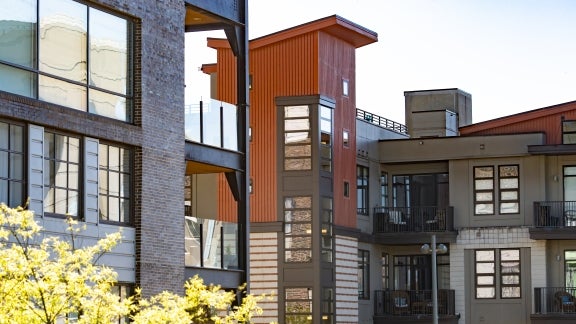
[337,62]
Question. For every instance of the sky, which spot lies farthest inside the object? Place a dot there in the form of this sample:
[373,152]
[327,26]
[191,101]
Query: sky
[510,55]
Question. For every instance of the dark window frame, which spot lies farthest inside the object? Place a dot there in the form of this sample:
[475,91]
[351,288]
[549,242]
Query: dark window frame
[108,170]
[362,189]
[479,191]
[363,274]
[10,180]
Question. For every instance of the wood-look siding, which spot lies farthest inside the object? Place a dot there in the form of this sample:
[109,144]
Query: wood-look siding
[547,120]
[337,62]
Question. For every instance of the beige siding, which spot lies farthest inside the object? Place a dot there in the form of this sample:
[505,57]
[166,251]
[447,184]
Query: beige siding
[264,274]
[487,238]
[346,280]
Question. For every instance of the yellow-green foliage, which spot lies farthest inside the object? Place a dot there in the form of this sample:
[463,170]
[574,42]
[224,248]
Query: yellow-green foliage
[44,279]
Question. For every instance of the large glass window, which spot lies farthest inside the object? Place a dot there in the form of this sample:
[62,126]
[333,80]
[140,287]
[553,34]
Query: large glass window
[569,132]
[297,140]
[363,274]
[419,190]
[67,53]
[509,184]
[297,229]
[484,190]
[508,190]
[11,165]
[570,268]
[298,305]
[61,174]
[362,189]
[497,268]
[385,270]
[325,138]
[115,179]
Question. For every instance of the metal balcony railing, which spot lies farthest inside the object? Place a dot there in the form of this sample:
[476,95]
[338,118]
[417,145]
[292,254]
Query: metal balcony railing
[412,302]
[413,219]
[555,214]
[552,300]
[212,122]
[381,121]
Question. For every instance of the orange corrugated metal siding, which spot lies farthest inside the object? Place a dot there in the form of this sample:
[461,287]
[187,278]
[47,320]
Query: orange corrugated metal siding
[286,68]
[337,62]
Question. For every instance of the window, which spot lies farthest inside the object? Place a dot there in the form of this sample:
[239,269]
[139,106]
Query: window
[362,189]
[298,305]
[345,138]
[363,274]
[12,165]
[345,87]
[414,272]
[327,236]
[115,165]
[508,186]
[297,229]
[569,132]
[61,174]
[67,53]
[509,189]
[384,189]
[419,190]
[385,259]
[297,140]
[570,268]
[508,277]
[484,190]
[325,138]
[123,291]
[346,189]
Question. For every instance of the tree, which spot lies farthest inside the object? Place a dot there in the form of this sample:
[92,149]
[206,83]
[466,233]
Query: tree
[45,279]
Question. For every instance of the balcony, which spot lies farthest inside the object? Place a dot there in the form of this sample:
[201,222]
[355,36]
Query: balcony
[554,305]
[381,121]
[554,220]
[212,123]
[410,225]
[411,306]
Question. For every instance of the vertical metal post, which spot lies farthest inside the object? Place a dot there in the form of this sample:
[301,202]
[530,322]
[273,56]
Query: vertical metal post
[434,282]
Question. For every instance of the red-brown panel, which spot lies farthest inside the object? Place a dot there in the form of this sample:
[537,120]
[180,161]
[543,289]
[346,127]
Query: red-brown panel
[338,62]
[547,120]
[285,68]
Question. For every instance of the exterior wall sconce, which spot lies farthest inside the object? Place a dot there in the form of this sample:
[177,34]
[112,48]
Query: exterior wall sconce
[481,146]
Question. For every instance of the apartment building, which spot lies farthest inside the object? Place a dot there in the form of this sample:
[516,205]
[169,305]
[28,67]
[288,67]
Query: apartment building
[343,201]
[93,125]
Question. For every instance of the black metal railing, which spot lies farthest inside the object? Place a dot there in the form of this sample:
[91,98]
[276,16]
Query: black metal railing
[381,121]
[413,219]
[551,300]
[412,302]
[555,214]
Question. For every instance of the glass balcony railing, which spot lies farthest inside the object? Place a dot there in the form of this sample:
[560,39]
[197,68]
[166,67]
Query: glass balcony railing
[211,244]
[212,122]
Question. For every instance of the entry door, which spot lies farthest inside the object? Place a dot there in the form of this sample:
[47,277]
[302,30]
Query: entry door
[498,290]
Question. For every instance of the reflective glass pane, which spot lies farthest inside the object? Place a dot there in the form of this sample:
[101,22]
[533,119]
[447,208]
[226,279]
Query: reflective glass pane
[298,216]
[72,203]
[192,242]
[113,209]
[16,194]
[484,196]
[16,139]
[114,158]
[74,149]
[509,195]
[103,182]
[124,210]
[570,170]
[73,176]
[108,105]
[510,267]
[509,208]
[326,126]
[570,255]
[485,280]
[484,209]
[485,292]
[4,190]
[487,255]
[103,202]
[61,175]
[569,126]
[298,255]
[483,172]
[49,200]
[296,124]
[103,156]
[511,183]
[124,185]
[511,280]
[508,171]
[509,255]
[297,202]
[18,32]
[297,137]
[298,242]
[298,229]
[60,201]
[298,164]
[60,148]
[63,41]
[325,112]
[48,173]
[16,166]
[17,81]
[484,184]
[108,51]
[296,111]
[297,150]
[62,93]
[4,164]
[4,136]
[125,160]
[510,292]
[114,183]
